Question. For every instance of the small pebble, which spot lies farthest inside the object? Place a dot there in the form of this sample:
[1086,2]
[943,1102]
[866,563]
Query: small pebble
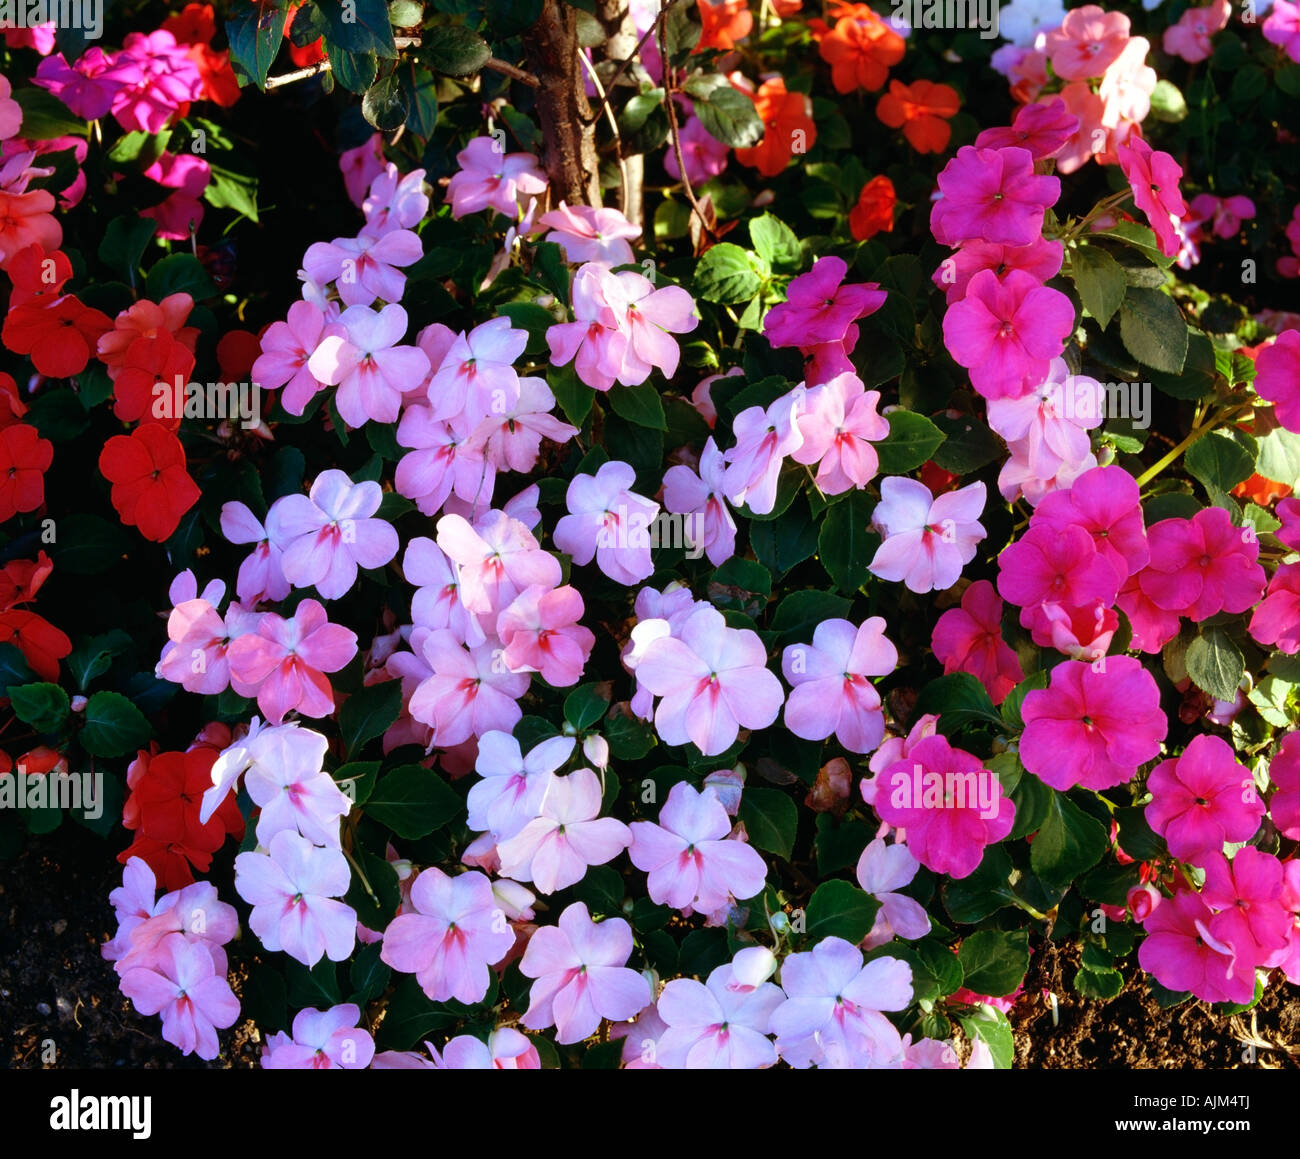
[64,1006]
[42,1008]
[60,926]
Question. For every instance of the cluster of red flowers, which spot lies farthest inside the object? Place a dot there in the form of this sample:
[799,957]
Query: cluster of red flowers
[40,642]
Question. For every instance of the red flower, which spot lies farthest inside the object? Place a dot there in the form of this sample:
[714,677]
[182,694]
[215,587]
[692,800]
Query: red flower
[148,362]
[12,407]
[236,352]
[151,489]
[308,54]
[22,579]
[922,111]
[788,128]
[36,273]
[59,334]
[874,212]
[40,642]
[24,459]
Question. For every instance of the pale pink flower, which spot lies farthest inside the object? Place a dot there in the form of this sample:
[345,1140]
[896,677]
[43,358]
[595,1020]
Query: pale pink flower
[763,440]
[541,633]
[395,201]
[260,575]
[321,1040]
[510,793]
[927,540]
[498,558]
[688,493]
[477,374]
[714,1025]
[183,986]
[364,268]
[590,235]
[469,693]
[445,457]
[839,423]
[489,177]
[608,522]
[882,870]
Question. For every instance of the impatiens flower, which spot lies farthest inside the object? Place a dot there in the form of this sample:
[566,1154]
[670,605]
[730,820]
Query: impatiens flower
[261,576]
[1276,619]
[1092,726]
[511,440]
[321,1040]
[1154,177]
[513,785]
[505,1049]
[713,680]
[1042,259]
[396,201]
[1104,502]
[969,639]
[286,349]
[608,522]
[469,693]
[861,48]
[1153,627]
[1202,566]
[831,690]
[555,849]
[716,1025]
[839,424]
[948,803]
[477,374]
[1246,895]
[1050,423]
[691,865]
[1181,953]
[446,456]
[1021,21]
[59,334]
[787,124]
[489,177]
[182,984]
[151,489]
[819,307]
[1283,27]
[1284,772]
[27,219]
[763,439]
[498,558]
[293,791]
[541,633]
[1277,378]
[1043,129]
[328,533]
[166,79]
[90,84]
[831,1016]
[992,195]
[703,154]
[595,342]
[724,22]
[922,110]
[284,661]
[873,212]
[24,459]
[703,495]
[1006,333]
[580,977]
[365,267]
[1088,40]
[882,870]
[1060,565]
[436,602]
[449,937]
[292,890]
[1190,37]
[649,316]
[270,751]
[585,234]
[1202,799]
[366,363]
[927,540]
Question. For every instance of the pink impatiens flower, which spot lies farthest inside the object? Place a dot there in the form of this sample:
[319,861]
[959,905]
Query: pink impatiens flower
[1059,565]
[883,869]
[1190,37]
[321,1040]
[969,639]
[489,177]
[832,692]
[718,1024]
[948,803]
[1087,42]
[819,308]
[1043,129]
[1276,620]
[703,495]
[580,976]
[1092,726]
[609,522]
[286,349]
[365,267]
[476,375]
[1284,772]
[182,984]
[927,540]
[1154,177]
[498,558]
[1051,421]
[1277,378]
[514,783]
[691,865]
[839,423]
[1203,798]
[1104,502]
[713,680]
[585,234]
[541,633]
[261,576]
[992,195]
[1202,566]
[763,440]
[454,930]
[1181,953]
[555,849]
[468,693]
[1246,895]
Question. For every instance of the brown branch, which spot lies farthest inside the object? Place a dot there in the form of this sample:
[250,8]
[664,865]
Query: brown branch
[519,74]
[288,78]
[674,131]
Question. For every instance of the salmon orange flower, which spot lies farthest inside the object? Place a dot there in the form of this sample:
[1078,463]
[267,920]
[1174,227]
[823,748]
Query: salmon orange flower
[725,22]
[921,110]
[874,212]
[788,128]
[861,48]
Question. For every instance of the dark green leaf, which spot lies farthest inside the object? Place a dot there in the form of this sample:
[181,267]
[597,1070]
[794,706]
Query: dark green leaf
[412,801]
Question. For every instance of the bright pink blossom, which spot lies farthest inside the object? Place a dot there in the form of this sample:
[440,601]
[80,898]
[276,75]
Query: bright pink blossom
[1154,177]
[1202,566]
[541,633]
[992,195]
[969,639]
[819,308]
[1276,619]
[1203,798]
[1181,953]
[763,440]
[1190,37]
[1277,378]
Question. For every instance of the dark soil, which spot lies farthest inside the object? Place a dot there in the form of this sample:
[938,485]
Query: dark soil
[58,996]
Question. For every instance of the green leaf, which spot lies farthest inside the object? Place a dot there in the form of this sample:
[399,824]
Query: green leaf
[640,405]
[45,116]
[1032,800]
[359,26]
[838,909]
[356,779]
[1219,462]
[967,446]
[179,273]
[420,89]
[775,242]
[454,50]
[368,712]
[14,668]
[574,396]
[1197,378]
[1215,664]
[972,898]
[1010,708]
[1279,456]
[1098,985]
[44,706]
[771,820]
[912,440]
[93,656]
[411,1017]
[1168,103]
[960,700]
[369,974]
[232,189]
[114,726]
[842,542]
[1153,330]
[727,114]
[629,739]
[124,242]
[991,1027]
[601,890]
[726,273]
[1136,837]
[995,961]
[413,801]
[1141,238]
[799,614]
[254,31]
[376,905]
[355,71]
[585,705]
[1069,842]
[1100,281]
[384,104]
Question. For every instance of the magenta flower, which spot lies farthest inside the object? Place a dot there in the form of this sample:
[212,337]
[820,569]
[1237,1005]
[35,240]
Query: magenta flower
[716,1025]
[1284,772]
[1282,27]
[365,267]
[555,849]
[366,363]
[321,1040]
[831,1015]
[609,522]
[261,576]
[395,201]
[1181,953]
[1041,258]
[1059,565]
[1092,726]
[585,234]
[1276,620]
[883,869]
[489,177]
[541,633]
[1153,627]
[292,890]
[992,195]
[927,540]
[477,375]
[1203,798]
[1006,333]
[1277,378]
[832,692]
[703,495]
[763,440]
[91,83]
[1246,895]
[713,680]
[453,932]
[580,976]
[1043,129]
[1154,177]
[513,785]
[498,558]
[969,639]
[839,423]
[1202,566]
[705,156]
[948,803]
[469,693]
[167,79]
[183,985]
[1104,502]
[329,532]
[818,308]
[284,661]
[691,863]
